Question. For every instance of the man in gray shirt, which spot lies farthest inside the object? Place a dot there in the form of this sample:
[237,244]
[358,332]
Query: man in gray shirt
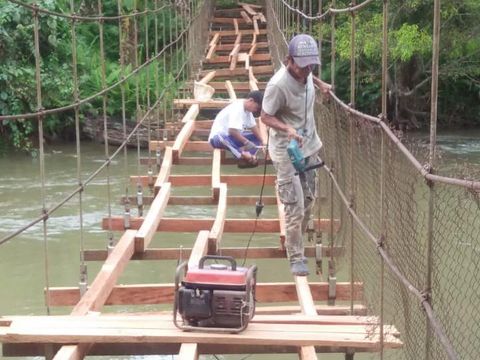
[287,109]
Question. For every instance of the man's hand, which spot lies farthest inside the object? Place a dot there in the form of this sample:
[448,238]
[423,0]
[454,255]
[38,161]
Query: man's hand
[292,134]
[249,146]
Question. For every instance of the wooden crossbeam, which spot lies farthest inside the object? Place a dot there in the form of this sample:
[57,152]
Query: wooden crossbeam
[230,90]
[257,70]
[191,114]
[200,146]
[253,253]
[253,57]
[248,9]
[245,17]
[209,75]
[243,47]
[225,33]
[116,223]
[206,180]
[238,86]
[163,293]
[144,235]
[207,200]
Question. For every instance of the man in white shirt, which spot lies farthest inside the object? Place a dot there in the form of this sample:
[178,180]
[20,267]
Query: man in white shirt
[235,129]
[288,110]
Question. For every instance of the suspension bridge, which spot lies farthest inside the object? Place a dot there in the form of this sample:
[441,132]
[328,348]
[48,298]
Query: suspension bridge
[378,212]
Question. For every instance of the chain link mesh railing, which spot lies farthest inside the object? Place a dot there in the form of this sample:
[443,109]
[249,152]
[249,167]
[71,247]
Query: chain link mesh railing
[411,237]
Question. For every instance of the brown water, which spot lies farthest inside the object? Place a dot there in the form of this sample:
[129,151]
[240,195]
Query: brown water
[23,260]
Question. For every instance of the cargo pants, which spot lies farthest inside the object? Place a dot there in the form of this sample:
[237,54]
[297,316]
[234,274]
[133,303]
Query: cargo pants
[297,194]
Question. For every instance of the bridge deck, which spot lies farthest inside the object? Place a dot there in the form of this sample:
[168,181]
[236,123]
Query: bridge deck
[239,44]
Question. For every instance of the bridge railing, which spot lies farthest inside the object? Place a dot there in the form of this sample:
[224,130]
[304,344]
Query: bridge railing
[410,236]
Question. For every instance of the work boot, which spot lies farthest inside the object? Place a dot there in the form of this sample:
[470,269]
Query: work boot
[299,268]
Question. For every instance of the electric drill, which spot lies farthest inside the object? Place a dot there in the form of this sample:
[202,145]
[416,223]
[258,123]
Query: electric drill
[298,160]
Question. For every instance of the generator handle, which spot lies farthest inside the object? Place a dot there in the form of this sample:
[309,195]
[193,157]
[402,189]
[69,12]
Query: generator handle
[230,259]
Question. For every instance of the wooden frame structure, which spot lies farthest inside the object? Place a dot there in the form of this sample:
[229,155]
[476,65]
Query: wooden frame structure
[312,327]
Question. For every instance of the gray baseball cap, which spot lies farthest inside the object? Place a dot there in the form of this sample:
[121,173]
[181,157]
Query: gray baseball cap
[304,50]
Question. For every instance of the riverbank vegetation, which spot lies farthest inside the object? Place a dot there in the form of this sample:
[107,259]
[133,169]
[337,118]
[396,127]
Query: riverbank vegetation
[410,54]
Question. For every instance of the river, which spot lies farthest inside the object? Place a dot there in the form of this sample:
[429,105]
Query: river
[23,261]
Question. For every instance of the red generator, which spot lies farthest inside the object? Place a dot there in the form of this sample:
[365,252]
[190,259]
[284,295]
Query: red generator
[215,297]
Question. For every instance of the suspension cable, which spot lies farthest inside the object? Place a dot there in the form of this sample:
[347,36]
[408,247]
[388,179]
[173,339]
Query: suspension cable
[110,238]
[38,82]
[83,268]
[34,7]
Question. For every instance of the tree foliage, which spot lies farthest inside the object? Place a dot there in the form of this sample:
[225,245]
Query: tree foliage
[410,60]
[18,92]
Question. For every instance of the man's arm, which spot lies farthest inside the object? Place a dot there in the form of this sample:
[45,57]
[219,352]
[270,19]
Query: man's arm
[237,135]
[273,122]
[324,87]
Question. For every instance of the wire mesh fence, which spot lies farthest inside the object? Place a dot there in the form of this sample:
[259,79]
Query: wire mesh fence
[411,238]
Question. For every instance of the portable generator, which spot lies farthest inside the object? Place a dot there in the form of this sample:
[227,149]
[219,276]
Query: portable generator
[216,297]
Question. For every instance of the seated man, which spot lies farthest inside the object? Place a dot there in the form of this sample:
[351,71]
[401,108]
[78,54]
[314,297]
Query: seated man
[235,129]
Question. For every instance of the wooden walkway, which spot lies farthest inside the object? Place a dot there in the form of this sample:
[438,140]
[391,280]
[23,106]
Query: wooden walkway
[236,58]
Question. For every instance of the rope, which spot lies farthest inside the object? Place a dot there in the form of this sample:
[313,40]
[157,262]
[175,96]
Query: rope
[110,239]
[329,11]
[44,112]
[38,83]
[84,18]
[95,173]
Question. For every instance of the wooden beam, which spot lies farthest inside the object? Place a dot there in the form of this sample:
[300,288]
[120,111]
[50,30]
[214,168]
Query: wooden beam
[245,17]
[206,180]
[225,33]
[200,146]
[100,289]
[191,114]
[209,75]
[103,329]
[165,170]
[216,163]
[281,220]
[308,308]
[216,232]
[230,90]
[257,70]
[163,293]
[243,47]
[206,200]
[253,58]
[235,25]
[253,253]
[203,104]
[238,86]
[199,249]
[195,225]
[248,9]
[144,235]
[182,138]
[188,352]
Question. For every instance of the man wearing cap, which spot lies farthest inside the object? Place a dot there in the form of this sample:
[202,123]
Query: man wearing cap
[288,110]
[235,129]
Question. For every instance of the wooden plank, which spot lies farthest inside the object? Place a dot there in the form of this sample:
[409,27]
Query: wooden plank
[195,225]
[216,232]
[234,57]
[203,104]
[181,139]
[253,6]
[255,26]
[163,293]
[230,90]
[100,289]
[245,17]
[199,249]
[257,70]
[336,310]
[144,235]
[165,169]
[243,47]
[215,39]
[225,33]
[253,253]
[235,25]
[191,114]
[248,9]
[308,308]
[216,163]
[281,220]
[206,180]
[206,200]
[188,352]
[238,86]
[87,330]
[207,77]
[195,146]
[253,58]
